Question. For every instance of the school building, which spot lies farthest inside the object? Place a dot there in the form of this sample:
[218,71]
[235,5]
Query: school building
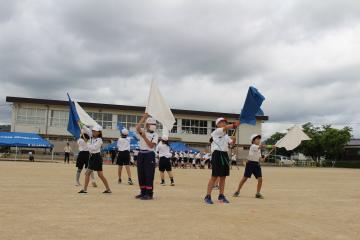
[49,118]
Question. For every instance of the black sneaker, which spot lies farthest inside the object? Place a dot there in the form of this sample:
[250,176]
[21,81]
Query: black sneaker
[146,197]
[222,199]
[208,200]
[236,194]
[139,196]
[82,191]
[107,191]
[259,196]
[130,182]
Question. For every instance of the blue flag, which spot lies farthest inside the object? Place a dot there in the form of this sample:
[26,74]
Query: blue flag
[73,124]
[252,105]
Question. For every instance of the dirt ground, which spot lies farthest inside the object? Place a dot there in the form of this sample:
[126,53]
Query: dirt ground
[39,201]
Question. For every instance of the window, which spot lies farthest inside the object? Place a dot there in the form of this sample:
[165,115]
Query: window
[174,129]
[104,119]
[59,119]
[31,116]
[192,126]
[128,121]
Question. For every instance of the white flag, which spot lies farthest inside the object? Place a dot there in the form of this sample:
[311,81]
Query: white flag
[292,139]
[158,108]
[84,117]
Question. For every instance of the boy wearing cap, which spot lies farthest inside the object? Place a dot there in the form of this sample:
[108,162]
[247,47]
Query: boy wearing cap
[220,158]
[253,165]
[123,158]
[146,157]
[163,149]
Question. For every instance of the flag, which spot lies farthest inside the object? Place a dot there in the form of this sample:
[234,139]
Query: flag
[252,105]
[73,124]
[158,108]
[78,118]
[292,139]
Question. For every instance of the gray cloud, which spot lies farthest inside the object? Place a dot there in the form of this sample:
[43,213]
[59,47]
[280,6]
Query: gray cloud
[303,55]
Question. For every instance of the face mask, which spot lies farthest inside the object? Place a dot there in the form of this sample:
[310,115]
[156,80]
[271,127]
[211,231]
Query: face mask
[152,128]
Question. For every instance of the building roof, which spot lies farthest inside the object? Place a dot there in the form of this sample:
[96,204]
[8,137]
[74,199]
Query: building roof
[122,107]
[353,143]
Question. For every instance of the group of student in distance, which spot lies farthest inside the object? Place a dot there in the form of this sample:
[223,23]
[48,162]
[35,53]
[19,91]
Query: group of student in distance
[90,147]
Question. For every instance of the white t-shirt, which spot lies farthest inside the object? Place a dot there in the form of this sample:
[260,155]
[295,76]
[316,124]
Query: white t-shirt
[221,140]
[123,144]
[164,150]
[67,149]
[94,145]
[83,147]
[254,153]
[153,137]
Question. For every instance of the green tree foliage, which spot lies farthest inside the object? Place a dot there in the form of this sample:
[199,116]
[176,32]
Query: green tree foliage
[325,141]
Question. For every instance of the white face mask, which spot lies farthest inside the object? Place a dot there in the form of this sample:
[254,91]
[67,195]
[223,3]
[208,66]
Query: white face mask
[152,128]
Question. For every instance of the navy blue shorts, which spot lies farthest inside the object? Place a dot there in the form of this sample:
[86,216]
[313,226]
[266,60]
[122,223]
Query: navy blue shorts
[252,168]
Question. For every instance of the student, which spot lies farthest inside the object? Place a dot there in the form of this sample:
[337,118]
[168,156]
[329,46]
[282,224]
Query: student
[95,162]
[220,158]
[31,157]
[234,161]
[83,158]
[181,160]
[253,165]
[163,149]
[123,157]
[198,158]
[146,157]
[136,153]
[67,150]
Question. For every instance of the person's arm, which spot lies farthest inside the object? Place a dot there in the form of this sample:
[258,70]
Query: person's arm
[231,126]
[141,124]
[95,146]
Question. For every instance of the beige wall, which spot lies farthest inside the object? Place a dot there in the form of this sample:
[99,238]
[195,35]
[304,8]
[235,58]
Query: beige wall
[243,134]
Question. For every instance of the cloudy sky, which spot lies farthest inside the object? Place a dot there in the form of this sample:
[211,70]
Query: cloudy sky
[303,55]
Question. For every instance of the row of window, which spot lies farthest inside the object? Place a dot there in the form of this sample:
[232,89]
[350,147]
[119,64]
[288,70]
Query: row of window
[59,119]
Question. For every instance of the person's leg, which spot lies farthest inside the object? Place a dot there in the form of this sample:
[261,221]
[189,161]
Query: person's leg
[241,184]
[87,179]
[210,185]
[222,185]
[162,176]
[78,173]
[140,170]
[92,176]
[259,185]
[103,179]
[119,173]
[128,171]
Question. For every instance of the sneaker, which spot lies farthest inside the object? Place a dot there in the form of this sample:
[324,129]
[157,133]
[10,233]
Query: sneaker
[94,184]
[146,197]
[172,184]
[130,182]
[119,181]
[259,196]
[236,194]
[107,191]
[208,200]
[162,183]
[222,199]
[82,191]
[139,196]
